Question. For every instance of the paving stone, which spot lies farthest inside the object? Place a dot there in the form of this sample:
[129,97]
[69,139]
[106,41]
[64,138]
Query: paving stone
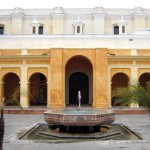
[139,123]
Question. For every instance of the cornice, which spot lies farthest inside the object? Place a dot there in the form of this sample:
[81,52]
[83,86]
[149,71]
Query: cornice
[83,36]
[25,57]
[127,57]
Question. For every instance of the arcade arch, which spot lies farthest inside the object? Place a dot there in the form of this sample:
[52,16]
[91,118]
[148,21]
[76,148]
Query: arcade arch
[11,85]
[38,89]
[144,79]
[79,77]
[118,80]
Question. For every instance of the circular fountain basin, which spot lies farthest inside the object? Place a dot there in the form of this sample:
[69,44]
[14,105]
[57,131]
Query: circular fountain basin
[85,117]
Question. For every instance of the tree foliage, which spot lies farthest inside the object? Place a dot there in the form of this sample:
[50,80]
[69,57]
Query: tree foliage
[134,93]
[12,99]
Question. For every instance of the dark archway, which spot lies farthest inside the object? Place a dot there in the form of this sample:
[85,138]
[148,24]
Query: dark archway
[38,90]
[79,68]
[78,82]
[144,79]
[118,80]
[11,85]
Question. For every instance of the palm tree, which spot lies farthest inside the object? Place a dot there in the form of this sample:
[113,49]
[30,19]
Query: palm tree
[134,93]
[13,99]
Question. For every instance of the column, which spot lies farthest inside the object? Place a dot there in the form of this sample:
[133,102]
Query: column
[134,77]
[48,86]
[24,91]
[1,90]
[109,87]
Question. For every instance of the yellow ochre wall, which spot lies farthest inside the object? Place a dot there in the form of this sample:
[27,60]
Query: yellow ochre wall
[104,67]
[98,60]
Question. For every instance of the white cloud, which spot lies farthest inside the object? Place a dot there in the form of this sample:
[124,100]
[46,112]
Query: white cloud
[10,4]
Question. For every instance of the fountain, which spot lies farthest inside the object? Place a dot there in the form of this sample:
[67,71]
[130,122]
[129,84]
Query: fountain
[79,101]
[72,125]
[79,117]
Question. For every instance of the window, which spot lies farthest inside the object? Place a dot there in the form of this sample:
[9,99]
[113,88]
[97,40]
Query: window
[116,29]
[33,30]
[78,29]
[1,30]
[123,29]
[40,30]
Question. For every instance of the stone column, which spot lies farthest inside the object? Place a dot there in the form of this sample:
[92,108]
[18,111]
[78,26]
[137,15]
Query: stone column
[24,93]
[101,79]
[1,90]
[134,77]
[48,92]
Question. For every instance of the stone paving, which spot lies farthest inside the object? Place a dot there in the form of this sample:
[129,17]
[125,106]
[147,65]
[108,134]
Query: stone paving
[139,123]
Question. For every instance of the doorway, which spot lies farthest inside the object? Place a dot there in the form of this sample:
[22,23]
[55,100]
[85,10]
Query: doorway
[78,82]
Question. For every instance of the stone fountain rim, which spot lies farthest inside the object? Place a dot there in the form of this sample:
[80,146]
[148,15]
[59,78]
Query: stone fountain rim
[56,112]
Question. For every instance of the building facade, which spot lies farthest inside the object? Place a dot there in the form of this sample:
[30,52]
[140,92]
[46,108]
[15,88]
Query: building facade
[54,53]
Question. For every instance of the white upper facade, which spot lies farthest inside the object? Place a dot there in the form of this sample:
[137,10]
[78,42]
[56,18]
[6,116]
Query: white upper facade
[70,21]
[75,28]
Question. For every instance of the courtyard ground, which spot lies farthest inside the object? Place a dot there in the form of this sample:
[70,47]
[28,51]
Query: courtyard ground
[138,123]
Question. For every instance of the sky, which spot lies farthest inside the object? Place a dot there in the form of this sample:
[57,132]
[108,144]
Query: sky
[27,4]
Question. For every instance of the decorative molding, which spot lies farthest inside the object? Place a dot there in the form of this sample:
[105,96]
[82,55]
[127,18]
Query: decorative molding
[17,12]
[58,10]
[24,57]
[127,58]
[98,10]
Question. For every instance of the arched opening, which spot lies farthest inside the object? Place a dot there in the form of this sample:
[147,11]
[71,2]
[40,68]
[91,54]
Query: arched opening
[34,30]
[118,80]
[38,90]
[40,30]
[11,86]
[116,29]
[79,77]
[144,79]
[123,29]
[1,29]
[78,82]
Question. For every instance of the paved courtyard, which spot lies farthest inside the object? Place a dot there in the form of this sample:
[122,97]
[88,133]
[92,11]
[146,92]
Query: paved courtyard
[138,123]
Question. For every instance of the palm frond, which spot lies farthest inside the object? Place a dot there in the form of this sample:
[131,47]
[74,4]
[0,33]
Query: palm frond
[14,102]
[134,93]
[124,95]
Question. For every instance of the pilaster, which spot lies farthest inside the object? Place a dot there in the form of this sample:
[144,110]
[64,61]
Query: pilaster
[101,79]
[99,23]
[56,79]
[24,93]
[134,77]
[17,20]
[1,90]
[139,17]
[58,23]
